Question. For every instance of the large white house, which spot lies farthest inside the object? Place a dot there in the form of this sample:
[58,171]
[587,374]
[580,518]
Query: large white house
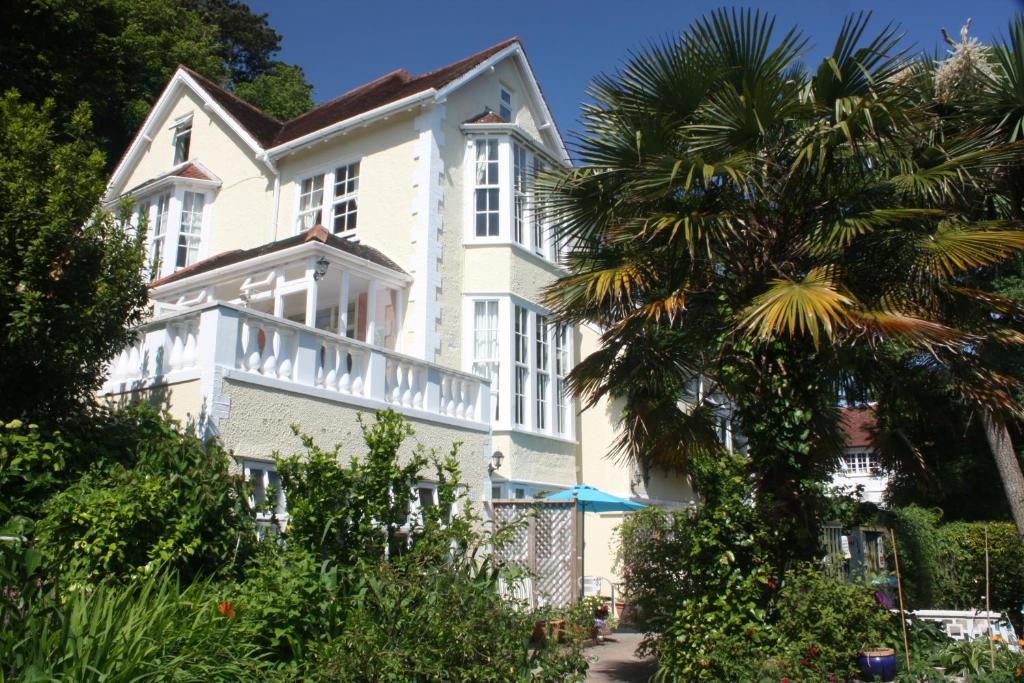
[378,251]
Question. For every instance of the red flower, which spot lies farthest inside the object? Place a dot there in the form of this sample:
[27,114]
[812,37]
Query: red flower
[772,585]
[813,651]
[784,680]
[804,661]
[226,609]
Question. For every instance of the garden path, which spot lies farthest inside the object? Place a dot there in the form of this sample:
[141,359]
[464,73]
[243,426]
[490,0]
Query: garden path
[615,661]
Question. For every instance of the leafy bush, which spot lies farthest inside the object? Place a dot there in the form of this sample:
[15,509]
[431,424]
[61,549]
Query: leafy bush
[356,589]
[821,624]
[701,576]
[944,565]
[917,534]
[177,505]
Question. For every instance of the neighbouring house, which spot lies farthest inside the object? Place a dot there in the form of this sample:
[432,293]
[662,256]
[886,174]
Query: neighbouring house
[859,470]
[379,251]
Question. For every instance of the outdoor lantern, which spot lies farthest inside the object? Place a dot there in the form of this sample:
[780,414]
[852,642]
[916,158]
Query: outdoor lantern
[495,462]
[320,269]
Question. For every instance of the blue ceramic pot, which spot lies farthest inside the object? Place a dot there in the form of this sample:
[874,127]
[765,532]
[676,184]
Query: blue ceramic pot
[879,662]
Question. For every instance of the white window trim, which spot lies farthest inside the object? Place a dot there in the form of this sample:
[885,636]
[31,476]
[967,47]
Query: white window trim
[506,354]
[502,89]
[545,253]
[327,201]
[265,467]
[172,230]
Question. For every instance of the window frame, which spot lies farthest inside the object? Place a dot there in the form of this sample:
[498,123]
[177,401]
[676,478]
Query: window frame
[328,200]
[493,362]
[506,104]
[527,390]
[490,189]
[267,468]
[182,131]
[192,240]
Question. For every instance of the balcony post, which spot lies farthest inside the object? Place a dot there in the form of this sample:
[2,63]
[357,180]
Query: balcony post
[483,403]
[307,356]
[343,305]
[218,348]
[371,313]
[375,383]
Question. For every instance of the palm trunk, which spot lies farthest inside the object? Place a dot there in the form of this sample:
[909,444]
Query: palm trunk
[1008,464]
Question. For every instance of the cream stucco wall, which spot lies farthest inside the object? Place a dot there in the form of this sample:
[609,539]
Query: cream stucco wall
[182,400]
[532,458]
[260,419]
[240,215]
[598,431]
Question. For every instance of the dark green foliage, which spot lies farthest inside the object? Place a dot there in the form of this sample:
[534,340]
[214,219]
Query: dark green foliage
[701,577]
[175,505]
[281,91]
[944,565]
[71,281]
[360,509]
[117,55]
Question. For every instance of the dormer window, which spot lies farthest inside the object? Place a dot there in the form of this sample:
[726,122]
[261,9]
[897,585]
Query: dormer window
[340,211]
[505,105]
[182,140]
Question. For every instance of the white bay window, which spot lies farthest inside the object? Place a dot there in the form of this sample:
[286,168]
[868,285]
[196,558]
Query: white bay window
[502,208]
[177,221]
[527,358]
[190,231]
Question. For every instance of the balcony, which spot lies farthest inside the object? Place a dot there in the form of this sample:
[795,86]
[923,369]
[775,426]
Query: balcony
[219,340]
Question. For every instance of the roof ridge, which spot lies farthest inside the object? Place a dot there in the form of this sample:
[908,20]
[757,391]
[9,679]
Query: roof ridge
[476,55]
[400,72]
[225,91]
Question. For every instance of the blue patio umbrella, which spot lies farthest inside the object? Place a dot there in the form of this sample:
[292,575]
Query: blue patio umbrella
[590,499]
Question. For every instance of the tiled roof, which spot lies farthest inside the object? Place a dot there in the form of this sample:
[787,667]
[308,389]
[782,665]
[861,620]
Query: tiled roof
[317,233]
[859,425]
[487,116]
[389,88]
[189,170]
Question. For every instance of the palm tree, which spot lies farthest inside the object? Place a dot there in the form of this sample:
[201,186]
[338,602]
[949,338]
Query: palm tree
[737,216]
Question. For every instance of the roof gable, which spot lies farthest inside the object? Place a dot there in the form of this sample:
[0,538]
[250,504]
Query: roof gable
[263,133]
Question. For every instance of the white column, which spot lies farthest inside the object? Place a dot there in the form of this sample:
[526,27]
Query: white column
[343,305]
[278,299]
[399,314]
[311,291]
[371,313]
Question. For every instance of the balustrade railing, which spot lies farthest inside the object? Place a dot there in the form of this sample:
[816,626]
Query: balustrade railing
[257,344]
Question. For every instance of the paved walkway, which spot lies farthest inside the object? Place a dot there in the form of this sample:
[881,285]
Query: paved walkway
[614,661]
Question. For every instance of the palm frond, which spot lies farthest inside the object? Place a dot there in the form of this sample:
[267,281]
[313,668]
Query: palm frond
[843,231]
[810,305]
[907,328]
[954,248]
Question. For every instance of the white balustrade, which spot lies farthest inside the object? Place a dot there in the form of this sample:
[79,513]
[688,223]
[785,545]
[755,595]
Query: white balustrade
[248,342]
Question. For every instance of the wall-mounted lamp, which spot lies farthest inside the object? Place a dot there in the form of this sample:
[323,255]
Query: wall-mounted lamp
[495,462]
[320,268]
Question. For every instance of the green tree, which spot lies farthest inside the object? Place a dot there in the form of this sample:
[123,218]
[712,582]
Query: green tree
[117,55]
[738,217]
[71,282]
[282,91]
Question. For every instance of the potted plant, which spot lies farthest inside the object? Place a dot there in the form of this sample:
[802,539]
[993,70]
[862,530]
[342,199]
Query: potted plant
[879,661]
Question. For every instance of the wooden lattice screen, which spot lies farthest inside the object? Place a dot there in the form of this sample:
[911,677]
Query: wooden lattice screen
[544,543]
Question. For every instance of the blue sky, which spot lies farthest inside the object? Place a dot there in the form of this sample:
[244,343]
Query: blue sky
[342,44]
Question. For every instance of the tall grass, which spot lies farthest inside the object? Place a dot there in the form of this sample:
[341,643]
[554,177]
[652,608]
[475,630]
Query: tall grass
[151,630]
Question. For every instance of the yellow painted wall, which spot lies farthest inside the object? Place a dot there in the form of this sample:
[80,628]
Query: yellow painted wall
[182,400]
[260,423]
[598,431]
[242,206]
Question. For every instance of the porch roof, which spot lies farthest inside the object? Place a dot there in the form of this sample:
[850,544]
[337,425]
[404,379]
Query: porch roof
[317,233]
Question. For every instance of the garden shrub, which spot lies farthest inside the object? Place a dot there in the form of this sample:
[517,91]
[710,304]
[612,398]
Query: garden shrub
[176,506]
[917,534]
[943,566]
[961,582]
[701,576]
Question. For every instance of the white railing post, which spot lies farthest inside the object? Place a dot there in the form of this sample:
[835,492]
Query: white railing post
[432,398]
[307,358]
[375,383]
[219,342]
[483,403]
